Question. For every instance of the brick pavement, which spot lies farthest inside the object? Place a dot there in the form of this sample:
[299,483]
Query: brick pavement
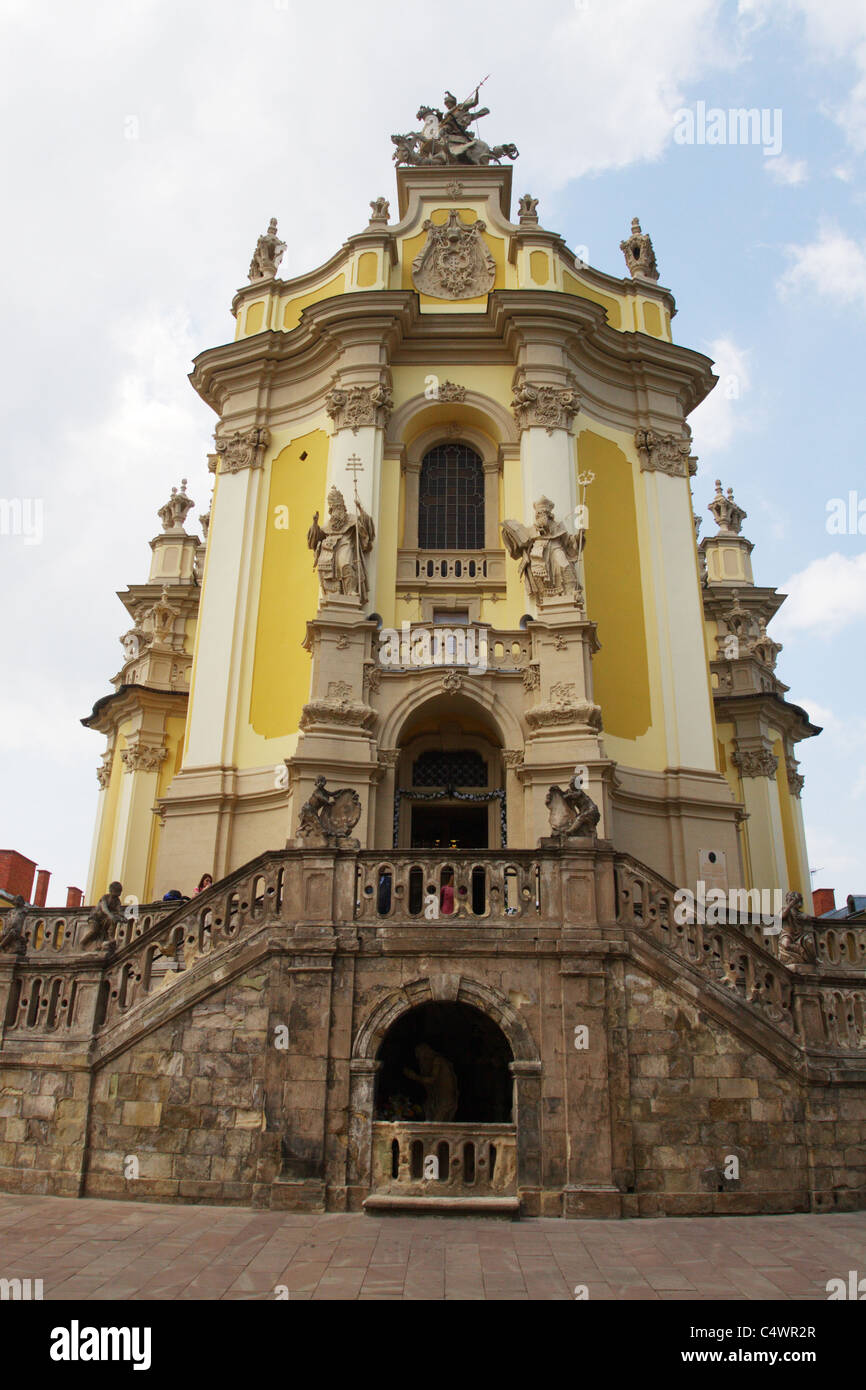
[95,1249]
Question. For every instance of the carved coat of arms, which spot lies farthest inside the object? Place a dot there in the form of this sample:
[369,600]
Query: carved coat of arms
[455,262]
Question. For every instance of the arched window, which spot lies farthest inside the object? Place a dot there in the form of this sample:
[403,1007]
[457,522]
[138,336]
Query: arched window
[451,499]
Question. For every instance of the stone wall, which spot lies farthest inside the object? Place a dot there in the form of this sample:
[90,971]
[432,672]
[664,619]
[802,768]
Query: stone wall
[642,1065]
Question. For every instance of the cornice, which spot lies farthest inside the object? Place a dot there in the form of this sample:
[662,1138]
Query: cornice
[719,597]
[391,323]
[129,699]
[773,707]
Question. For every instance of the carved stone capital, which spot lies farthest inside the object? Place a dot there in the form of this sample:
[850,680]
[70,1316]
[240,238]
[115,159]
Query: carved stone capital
[513,757]
[665,453]
[143,757]
[389,757]
[103,772]
[547,407]
[350,407]
[796,780]
[243,449]
[756,762]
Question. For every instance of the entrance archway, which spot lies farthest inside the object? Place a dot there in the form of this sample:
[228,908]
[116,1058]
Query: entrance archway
[476,1056]
[450,785]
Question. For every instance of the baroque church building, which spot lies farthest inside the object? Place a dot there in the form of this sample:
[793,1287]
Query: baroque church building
[485,754]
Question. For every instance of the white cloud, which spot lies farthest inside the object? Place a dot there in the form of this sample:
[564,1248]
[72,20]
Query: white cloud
[717,418]
[786,170]
[833,266]
[825,597]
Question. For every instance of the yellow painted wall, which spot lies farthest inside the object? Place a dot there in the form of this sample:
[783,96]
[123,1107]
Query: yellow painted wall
[614,591]
[387,535]
[539,267]
[652,318]
[368,263]
[295,307]
[610,305]
[175,726]
[255,318]
[106,827]
[289,590]
[796,870]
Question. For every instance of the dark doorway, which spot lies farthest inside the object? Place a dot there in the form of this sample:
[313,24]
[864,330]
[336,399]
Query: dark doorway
[437,824]
[474,1045]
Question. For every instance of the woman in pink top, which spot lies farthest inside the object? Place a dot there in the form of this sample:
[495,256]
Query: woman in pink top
[446,898]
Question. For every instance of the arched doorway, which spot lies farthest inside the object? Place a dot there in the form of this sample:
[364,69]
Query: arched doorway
[473,1047]
[450,783]
[443,1108]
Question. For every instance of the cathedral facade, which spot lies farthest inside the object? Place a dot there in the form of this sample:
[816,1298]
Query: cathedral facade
[485,754]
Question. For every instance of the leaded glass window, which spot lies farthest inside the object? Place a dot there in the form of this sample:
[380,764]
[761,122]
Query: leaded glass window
[451,499]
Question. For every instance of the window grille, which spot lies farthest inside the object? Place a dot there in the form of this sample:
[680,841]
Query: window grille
[457,769]
[451,499]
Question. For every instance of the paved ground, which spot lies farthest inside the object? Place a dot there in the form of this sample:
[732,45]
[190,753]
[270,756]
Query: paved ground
[95,1249]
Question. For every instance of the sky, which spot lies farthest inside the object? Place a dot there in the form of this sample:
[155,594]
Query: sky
[144,148]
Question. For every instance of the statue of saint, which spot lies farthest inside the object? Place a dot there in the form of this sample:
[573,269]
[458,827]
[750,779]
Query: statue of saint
[340,548]
[439,1080]
[445,138]
[547,554]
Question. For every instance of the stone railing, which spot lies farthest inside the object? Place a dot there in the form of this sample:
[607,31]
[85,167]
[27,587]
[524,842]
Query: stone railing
[53,932]
[732,955]
[841,945]
[451,568]
[488,887]
[426,1159]
[58,990]
[473,646]
[60,987]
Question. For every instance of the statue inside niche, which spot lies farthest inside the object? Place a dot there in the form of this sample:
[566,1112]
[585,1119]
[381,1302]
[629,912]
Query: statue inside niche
[439,1080]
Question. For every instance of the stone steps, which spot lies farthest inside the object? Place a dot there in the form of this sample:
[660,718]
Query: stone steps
[384,1203]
